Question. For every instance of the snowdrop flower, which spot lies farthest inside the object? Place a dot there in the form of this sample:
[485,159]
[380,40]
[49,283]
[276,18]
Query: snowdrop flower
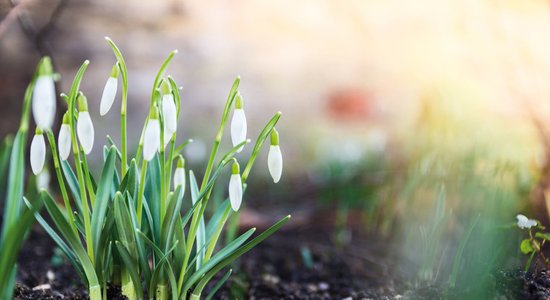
[274,157]
[238,123]
[169,110]
[235,187]
[64,138]
[525,223]
[38,152]
[151,138]
[43,180]
[109,92]
[43,98]
[84,127]
[179,174]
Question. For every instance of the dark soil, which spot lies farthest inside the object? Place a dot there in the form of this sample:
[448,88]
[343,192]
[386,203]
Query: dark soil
[276,269]
[281,268]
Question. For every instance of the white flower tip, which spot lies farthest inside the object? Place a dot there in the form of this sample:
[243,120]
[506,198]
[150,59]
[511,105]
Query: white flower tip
[235,191]
[64,141]
[38,154]
[108,96]
[175,51]
[275,163]
[85,131]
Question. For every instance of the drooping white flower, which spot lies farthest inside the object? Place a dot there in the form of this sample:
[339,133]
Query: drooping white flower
[238,123]
[179,174]
[64,138]
[109,92]
[169,110]
[151,138]
[43,180]
[274,157]
[38,152]
[525,223]
[235,187]
[84,126]
[43,100]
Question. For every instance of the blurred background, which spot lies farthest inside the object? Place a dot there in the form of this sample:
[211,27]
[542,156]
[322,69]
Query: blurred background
[388,106]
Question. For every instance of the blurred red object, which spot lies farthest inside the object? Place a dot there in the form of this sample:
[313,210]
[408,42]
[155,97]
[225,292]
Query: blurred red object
[350,104]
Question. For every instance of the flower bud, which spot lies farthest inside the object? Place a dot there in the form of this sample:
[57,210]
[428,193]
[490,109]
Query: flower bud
[43,100]
[274,157]
[38,152]
[84,127]
[235,187]
[169,112]
[179,174]
[238,123]
[109,92]
[64,138]
[151,138]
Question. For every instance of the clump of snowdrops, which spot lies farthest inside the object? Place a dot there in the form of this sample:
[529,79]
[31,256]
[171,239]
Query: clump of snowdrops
[128,227]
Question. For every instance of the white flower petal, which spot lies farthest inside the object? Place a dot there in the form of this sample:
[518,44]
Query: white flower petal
[43,180]
[531,223]
[275,162]
[179,179]
[108,97]
[64,141]
[525,223]
[38,153]
[151,139]
[169,112]
[235,191]
[238,127]
[167,136]
[43,102]
[85,131]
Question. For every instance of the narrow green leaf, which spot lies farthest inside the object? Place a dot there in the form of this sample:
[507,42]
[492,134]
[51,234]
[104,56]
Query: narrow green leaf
[200,237]
[72,240]
[218,285]
[243,249]
[102,196]
[227,251]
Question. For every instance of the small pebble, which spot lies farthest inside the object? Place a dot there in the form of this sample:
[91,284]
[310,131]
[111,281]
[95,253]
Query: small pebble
[323,286]
[312,288]
[50,275]
[270,279]
[42,287]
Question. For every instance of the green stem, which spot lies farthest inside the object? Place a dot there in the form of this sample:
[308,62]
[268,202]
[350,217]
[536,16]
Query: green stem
[76,153]
[124,75]
[217,234]
[141,191]
[82,185]
[162,177]
[89,184]
[170,162]
[60,180]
